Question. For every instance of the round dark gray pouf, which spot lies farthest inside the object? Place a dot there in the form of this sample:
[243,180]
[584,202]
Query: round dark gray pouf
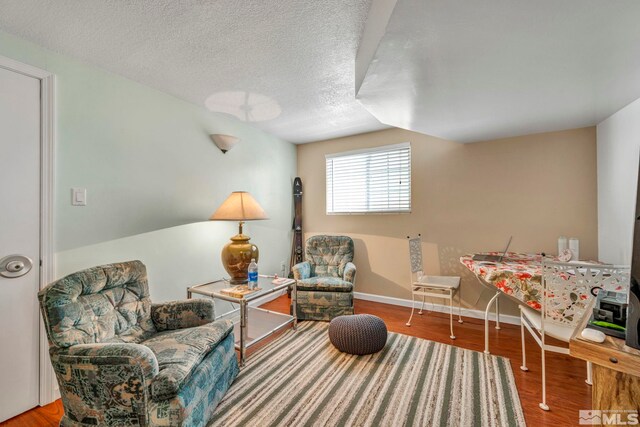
[358,333]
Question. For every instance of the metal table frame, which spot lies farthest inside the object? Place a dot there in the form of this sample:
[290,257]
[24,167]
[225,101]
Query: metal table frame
[244,310]
[495,300]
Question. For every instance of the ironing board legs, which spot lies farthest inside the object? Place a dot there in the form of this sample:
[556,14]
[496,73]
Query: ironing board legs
[498,313]
[486,321]
[453,337]
[524,353]
[459,306]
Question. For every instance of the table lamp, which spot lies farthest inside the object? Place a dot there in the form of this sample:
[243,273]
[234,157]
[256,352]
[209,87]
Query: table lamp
[236,255]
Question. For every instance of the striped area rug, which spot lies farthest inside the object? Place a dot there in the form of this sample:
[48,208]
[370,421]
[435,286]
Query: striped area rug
[300,379]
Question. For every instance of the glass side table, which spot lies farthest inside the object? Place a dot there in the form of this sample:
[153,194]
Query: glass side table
[250,324]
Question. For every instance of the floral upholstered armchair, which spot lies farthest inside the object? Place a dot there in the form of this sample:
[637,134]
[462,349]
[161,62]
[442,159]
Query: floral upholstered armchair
[121,360]
[326,278]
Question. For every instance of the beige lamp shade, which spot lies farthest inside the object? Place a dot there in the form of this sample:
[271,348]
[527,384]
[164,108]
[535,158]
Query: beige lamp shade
[238,253]
[239,206]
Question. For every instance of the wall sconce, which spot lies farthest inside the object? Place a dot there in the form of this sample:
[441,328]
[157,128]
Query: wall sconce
[224,142]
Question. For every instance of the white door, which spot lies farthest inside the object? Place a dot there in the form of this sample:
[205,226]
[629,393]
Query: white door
[19,235]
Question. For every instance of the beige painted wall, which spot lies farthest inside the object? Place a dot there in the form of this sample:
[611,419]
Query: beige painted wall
[465,198]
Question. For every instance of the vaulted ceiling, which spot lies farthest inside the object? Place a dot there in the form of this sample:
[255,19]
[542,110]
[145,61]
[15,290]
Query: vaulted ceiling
[307,70]
[469,71]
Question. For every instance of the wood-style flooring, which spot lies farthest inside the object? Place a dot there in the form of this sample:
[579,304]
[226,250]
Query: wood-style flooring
[566,390]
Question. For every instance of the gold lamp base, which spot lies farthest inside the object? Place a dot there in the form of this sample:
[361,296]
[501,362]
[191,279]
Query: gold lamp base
[236,257]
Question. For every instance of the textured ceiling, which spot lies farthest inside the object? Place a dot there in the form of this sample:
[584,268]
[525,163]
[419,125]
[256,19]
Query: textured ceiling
[285,65]
[478,70]
[457,69]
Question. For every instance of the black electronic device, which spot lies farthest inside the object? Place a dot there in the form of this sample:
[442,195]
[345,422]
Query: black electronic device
[611,307]
[633,314]
[610,313]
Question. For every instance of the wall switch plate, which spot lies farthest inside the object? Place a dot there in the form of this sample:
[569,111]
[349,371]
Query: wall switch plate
[79,196]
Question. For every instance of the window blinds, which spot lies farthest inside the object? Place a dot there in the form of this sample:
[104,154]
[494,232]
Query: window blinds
[370,181]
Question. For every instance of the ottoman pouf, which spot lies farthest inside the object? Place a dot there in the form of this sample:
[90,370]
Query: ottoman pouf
[358,333]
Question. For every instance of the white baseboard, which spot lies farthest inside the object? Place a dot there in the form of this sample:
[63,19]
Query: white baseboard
[467,312]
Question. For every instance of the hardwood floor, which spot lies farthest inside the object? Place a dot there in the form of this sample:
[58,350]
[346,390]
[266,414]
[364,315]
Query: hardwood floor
[566,390]
[48,415]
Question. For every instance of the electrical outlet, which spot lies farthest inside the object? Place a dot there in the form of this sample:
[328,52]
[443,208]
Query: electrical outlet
[283,269]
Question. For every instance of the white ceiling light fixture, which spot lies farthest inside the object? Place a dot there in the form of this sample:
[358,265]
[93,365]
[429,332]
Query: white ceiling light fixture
[246,106]
[224,142]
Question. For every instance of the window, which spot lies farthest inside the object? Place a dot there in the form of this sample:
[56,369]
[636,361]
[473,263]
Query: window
[375,180]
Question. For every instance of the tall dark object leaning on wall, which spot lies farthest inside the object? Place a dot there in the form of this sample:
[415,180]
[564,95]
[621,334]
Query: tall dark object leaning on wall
[296,248]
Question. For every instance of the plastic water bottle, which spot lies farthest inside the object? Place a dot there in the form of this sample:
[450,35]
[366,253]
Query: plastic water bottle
[253,274]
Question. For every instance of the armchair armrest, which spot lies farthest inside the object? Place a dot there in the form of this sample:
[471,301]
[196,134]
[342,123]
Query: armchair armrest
[350,272]
[105,381]
[182,314]
[112,354]
[301,270]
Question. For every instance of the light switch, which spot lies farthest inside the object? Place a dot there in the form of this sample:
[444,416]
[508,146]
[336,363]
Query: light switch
[79,196]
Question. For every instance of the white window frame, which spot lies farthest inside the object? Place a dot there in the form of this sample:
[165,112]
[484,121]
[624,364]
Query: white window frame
[391,147]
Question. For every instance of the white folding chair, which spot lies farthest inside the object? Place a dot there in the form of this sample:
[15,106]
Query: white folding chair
[430,286]
[565,297]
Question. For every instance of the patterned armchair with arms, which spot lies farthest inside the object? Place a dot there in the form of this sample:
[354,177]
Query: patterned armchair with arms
[120,360]
[326,278]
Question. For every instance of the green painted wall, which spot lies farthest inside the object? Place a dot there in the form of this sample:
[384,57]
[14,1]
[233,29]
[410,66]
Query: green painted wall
[153,175]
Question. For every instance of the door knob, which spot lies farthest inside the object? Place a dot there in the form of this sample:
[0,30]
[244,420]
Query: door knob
[15,266]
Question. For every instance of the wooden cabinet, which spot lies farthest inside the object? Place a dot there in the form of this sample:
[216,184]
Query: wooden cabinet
[616,373]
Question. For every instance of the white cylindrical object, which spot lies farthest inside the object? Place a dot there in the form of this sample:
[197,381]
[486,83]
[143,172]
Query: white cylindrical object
[574,246]
[562,244]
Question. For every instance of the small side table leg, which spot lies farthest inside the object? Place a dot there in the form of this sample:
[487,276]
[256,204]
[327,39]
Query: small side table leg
[294,301]
[243,330]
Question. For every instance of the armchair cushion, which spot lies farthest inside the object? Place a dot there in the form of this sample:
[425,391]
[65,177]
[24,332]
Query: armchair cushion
[197,399]
[182,314]
[179,352]
[326,284]
[328,255]
[302,270]
[109,303]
